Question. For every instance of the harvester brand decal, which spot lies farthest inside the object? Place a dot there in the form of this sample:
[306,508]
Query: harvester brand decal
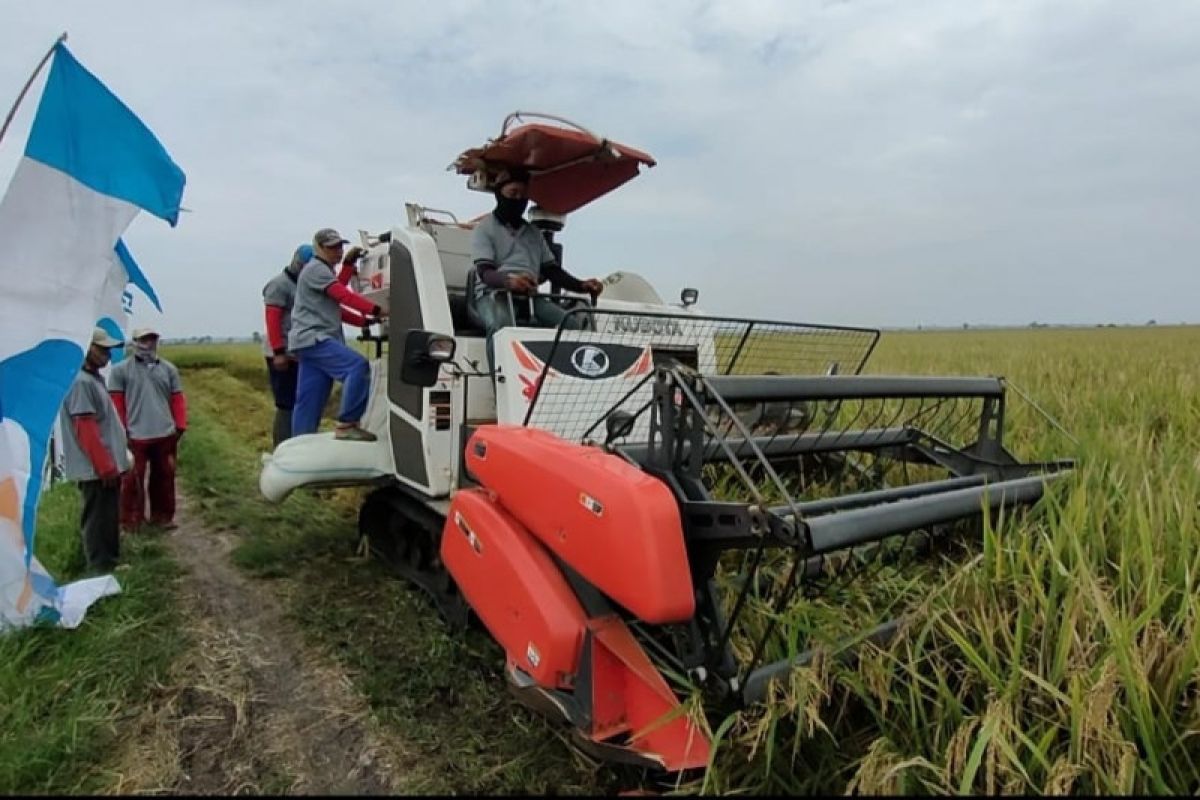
[663,326]
[472,539]
[591,504]
[587,360]
[590,360]
[533,655]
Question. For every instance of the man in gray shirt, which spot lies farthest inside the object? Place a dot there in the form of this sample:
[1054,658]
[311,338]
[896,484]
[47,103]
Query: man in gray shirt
[95,454]
[278,296]
[149,397]
[510,255]
[322,304]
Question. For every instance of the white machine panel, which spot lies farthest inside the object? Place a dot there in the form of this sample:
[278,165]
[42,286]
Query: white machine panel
[589,375]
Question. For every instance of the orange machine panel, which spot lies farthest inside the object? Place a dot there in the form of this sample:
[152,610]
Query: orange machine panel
[616,525]
[515,588]
[630,697]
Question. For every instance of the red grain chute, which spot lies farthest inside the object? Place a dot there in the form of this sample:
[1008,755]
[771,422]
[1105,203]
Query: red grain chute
[569,167]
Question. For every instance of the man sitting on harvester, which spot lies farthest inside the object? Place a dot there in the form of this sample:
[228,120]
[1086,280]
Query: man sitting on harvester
[512,258]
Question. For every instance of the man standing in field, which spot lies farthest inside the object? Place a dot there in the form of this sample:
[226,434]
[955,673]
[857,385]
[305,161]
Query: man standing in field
[149,398]
[95,454]
[279,295]
[317,341]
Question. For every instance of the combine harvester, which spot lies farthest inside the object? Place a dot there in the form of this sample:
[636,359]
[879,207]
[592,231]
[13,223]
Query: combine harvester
[631,509]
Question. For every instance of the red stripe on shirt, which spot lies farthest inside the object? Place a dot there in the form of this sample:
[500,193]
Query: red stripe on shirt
[275,328]
[348,298]
[179,410]
[87,430]
[118,399]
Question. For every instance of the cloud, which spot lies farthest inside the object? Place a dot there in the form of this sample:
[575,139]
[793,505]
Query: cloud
[862,162]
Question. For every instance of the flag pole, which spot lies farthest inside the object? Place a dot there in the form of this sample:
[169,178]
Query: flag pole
[13,111]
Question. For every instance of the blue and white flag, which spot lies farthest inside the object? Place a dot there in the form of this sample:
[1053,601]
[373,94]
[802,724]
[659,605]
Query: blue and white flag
[90,166]
[116,312]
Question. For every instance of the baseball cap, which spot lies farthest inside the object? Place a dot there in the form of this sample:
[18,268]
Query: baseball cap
[302,256]
[328,237]
[102,338]
[138,333]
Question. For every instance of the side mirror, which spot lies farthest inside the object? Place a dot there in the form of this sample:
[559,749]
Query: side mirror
[424,354]
[688,297]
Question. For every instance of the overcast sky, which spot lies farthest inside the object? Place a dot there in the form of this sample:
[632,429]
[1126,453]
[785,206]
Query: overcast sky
[876,163]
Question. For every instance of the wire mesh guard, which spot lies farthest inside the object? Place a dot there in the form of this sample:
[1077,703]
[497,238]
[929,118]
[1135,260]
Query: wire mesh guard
[602,361]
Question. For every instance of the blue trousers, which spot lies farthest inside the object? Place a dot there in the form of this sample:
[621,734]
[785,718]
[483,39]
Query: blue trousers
[320,366]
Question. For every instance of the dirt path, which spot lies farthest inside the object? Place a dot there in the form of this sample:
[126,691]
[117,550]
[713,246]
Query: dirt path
[252,710]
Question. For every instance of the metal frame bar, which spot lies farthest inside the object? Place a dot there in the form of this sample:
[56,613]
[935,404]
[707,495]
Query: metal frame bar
[762,388]
[856,526]
[788,445]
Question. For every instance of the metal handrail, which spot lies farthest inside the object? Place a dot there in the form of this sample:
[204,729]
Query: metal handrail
[516,115]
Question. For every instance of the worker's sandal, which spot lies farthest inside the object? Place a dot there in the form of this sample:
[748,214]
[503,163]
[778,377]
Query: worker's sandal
[353,433]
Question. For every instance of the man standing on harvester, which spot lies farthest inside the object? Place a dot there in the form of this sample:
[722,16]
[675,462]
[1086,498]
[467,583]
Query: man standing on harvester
[279,295]
[317,342]
[511,255]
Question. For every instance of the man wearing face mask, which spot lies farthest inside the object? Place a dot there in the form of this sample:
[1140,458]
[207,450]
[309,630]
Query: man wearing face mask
[512,255]
[149,398]
[95,454]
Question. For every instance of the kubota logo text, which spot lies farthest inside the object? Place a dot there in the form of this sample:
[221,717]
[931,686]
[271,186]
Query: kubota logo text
[657,325]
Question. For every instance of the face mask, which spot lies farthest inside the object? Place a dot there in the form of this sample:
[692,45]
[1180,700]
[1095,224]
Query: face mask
[146,351]
[511,209]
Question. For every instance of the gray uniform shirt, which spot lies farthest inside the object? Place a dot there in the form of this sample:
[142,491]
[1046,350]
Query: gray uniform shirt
[88,395]
[315,315]
[280,291]
[523,250]
[148,386]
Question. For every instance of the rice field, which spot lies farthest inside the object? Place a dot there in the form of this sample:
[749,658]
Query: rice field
[1058,654]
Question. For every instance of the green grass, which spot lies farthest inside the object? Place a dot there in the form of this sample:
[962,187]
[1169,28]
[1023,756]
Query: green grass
[70,696]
